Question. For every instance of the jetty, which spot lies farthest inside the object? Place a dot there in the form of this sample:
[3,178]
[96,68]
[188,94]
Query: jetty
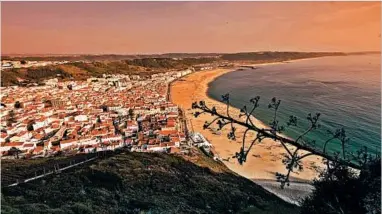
[248,66]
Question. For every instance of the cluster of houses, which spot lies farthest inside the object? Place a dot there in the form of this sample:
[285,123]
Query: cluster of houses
[90,116]
[7,64]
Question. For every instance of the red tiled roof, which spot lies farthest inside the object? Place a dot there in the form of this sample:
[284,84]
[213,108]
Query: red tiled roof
[167,132]
[171,144]
[38,136]
[67,141]
[175,139]
[171,124]
[38,149]
[174,150]
[15,144]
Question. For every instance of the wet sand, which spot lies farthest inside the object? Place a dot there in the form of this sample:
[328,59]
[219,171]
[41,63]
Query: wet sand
[265,158]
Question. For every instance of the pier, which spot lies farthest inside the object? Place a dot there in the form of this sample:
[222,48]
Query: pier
[248,66]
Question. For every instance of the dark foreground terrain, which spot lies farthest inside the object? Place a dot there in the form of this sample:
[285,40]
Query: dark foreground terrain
[142,183]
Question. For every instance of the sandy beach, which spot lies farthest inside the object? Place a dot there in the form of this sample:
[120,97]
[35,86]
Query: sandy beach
[265,158]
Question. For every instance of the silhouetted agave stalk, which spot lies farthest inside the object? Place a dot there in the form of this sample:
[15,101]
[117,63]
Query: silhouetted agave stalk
[292,158]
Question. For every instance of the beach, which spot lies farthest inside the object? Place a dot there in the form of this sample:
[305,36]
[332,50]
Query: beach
[264,159]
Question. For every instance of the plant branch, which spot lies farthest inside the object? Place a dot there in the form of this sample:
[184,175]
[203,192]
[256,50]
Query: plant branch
[273,135]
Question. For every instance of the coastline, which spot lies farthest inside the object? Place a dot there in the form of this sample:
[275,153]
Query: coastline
[264,160]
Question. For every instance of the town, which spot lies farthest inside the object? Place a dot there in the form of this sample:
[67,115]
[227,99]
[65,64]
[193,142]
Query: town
[96,115]
[7,64]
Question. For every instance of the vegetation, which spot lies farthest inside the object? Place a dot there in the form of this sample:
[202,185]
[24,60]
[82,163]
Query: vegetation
[18,76]
[18,170]
[167,63]
[9,77]
[69,57]
[84,70]
[277,56]
[30,126]
[114,57]
[344,191]
[303,148]
[15,151]
[157,183]
[104,108]
[85,66]
[17,104]
[48,103]
[340,189]
[142,183]
[131,113]
[108,57]
[11,118]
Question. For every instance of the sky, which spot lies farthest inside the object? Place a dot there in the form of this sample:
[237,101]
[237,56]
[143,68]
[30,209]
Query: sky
[164,27]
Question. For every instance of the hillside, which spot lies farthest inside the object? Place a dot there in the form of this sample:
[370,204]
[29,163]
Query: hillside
[276,56]
[111,57]
[96,65]
[228,56]
[133,182]
[84,70]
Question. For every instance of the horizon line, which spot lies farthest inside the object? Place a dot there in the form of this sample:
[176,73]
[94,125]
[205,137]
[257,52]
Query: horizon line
[164,53]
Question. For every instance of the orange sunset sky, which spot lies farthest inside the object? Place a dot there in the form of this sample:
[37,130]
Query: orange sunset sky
[162,27]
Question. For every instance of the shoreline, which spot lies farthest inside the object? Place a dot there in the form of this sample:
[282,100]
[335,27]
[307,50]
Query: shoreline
[264,160]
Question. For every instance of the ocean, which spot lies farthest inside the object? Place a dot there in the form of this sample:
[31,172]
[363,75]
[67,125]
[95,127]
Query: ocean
[345,90]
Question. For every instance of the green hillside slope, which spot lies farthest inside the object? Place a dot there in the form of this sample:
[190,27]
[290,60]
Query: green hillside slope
[142,183]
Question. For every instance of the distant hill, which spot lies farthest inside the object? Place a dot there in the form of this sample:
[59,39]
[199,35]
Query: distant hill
[365,53]
[277,56]
[68,57]
[84,70]
[84,66]
[109,57]
[135,182]
[226,56]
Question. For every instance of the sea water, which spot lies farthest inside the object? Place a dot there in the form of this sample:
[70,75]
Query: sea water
[345,90]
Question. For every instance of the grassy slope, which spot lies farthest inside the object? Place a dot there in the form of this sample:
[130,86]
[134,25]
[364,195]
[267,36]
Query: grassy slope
[82,71]
[123,183]
[113,64]
[75,71]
